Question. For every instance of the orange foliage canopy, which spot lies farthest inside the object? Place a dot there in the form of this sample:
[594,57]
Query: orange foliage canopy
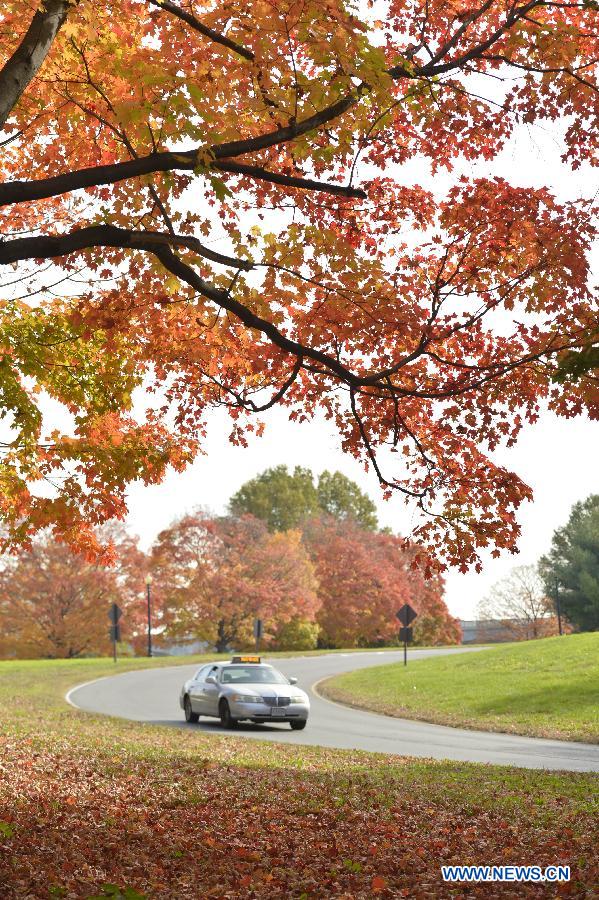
[364,578]
[214,192]
[215,576]
[54,605]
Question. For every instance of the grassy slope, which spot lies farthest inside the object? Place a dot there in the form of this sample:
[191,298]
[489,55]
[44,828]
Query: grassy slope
[548,688]
[86,801]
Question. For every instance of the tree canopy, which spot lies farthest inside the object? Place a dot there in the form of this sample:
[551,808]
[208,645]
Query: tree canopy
[279,498]
[572,565]
[364,577]
[208,200]
[53,604]
[214,576]
[340,497]
[285,500]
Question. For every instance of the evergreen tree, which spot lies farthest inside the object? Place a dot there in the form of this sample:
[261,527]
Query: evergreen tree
[572,565]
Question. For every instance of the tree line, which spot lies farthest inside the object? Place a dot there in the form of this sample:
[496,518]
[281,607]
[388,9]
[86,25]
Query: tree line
[306,557]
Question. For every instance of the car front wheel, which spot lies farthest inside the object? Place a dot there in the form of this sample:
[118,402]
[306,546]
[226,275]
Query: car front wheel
[226,719]
[190,716]
[299,725]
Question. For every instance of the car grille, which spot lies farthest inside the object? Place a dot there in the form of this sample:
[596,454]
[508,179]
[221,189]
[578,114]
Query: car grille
[277,701]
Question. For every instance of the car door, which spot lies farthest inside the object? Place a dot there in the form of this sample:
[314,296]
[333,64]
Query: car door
[210,693]
[196,688]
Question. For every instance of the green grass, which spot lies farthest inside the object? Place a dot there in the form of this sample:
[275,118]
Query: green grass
[146,802]
[546,688]
[33,706]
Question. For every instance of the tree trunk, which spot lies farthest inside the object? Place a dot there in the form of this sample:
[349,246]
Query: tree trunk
[222,641]
[27,59]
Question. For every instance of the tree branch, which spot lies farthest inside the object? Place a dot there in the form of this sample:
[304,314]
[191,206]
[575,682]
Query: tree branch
[307,184]
[165,161]
[158,243]
[203,29]
[52,246]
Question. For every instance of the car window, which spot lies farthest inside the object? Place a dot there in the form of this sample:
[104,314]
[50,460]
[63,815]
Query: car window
[201,673]
[252,675]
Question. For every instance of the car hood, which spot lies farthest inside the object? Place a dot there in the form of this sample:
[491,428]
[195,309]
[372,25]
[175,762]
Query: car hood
[267,690]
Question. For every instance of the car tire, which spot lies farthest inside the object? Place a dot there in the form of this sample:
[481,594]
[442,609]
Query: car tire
[226,719]
[299,725]
[190,716]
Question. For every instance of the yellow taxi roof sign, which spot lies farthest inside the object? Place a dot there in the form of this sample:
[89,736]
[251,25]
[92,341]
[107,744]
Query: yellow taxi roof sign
[246,659]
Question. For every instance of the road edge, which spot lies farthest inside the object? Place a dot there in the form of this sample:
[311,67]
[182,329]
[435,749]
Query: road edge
[83,684]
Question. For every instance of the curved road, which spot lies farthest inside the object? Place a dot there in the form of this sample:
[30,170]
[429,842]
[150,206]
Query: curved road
[152,696]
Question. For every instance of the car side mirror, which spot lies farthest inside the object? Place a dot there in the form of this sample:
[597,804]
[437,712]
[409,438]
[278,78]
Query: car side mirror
[293,680]
[210,679]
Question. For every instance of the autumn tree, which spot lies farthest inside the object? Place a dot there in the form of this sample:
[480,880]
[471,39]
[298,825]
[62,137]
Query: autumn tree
[214,576]
[285,500]
[53,604]
[434,625]
[521,603]
[139,133]
[363,579]
[571,568]
[129,566]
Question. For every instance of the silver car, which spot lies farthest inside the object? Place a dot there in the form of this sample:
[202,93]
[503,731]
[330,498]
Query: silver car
[246,688]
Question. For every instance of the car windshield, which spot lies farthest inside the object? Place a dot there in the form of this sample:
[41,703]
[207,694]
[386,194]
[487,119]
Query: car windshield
[252,675]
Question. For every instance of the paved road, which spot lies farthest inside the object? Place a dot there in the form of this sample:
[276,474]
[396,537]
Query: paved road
[152,696]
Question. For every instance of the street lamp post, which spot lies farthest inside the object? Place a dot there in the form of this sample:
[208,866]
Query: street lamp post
[148,586]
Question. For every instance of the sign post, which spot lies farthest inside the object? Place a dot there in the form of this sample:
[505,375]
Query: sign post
[558,608]
[114,614]
[406,615]
[258,632]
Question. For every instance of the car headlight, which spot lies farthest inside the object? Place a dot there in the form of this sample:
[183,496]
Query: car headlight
[247,698]
[297,698]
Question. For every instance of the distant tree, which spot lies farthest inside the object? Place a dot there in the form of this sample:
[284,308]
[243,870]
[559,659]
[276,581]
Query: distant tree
[285,500]
[572,565]
[340,497]
[296,634]
[358,590]
[130,567]
[364,577]
[280,499]
[213,576]
[54,604]
[521,604]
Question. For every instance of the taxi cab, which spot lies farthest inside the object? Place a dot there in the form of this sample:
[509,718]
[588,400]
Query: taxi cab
[244,689]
